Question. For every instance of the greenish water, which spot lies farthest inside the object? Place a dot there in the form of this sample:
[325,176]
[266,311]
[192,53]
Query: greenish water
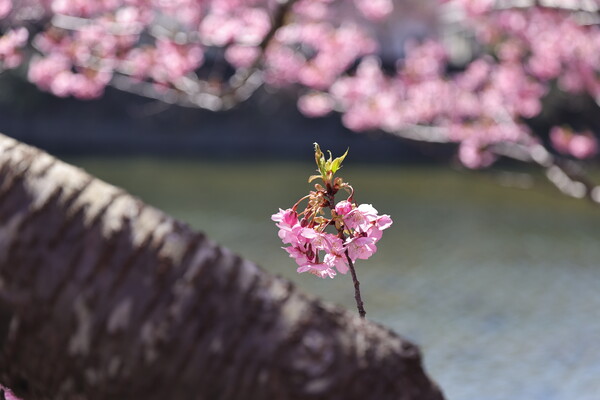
[499,286]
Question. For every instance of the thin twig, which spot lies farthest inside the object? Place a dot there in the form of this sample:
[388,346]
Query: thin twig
[359,302]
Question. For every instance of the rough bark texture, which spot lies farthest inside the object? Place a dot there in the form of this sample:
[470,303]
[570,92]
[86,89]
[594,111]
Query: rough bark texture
[103,297]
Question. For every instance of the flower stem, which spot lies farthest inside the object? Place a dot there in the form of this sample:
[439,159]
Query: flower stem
[359,302]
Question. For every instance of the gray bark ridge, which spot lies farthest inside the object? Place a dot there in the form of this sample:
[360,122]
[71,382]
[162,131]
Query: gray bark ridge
[104,297]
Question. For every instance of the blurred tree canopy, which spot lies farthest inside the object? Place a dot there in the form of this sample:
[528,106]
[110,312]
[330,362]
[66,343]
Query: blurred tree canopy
[516,79]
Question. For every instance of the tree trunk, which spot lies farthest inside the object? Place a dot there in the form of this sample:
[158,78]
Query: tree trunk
[103,297]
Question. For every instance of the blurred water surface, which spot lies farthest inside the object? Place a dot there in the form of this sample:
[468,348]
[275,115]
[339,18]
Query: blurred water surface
[499,286]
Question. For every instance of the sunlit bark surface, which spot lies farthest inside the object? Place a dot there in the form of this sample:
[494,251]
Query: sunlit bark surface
[103,297]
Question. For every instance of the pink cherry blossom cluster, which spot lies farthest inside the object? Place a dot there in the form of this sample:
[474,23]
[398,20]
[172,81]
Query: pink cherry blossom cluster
[88,42]
[579,145]
[322,253]
[163,43]
[357,227]
[535,46]
[551,43]
[11,44]
[12,41]
[478,107]
[375,9]
[327,51]
[486,104]
[82,60]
